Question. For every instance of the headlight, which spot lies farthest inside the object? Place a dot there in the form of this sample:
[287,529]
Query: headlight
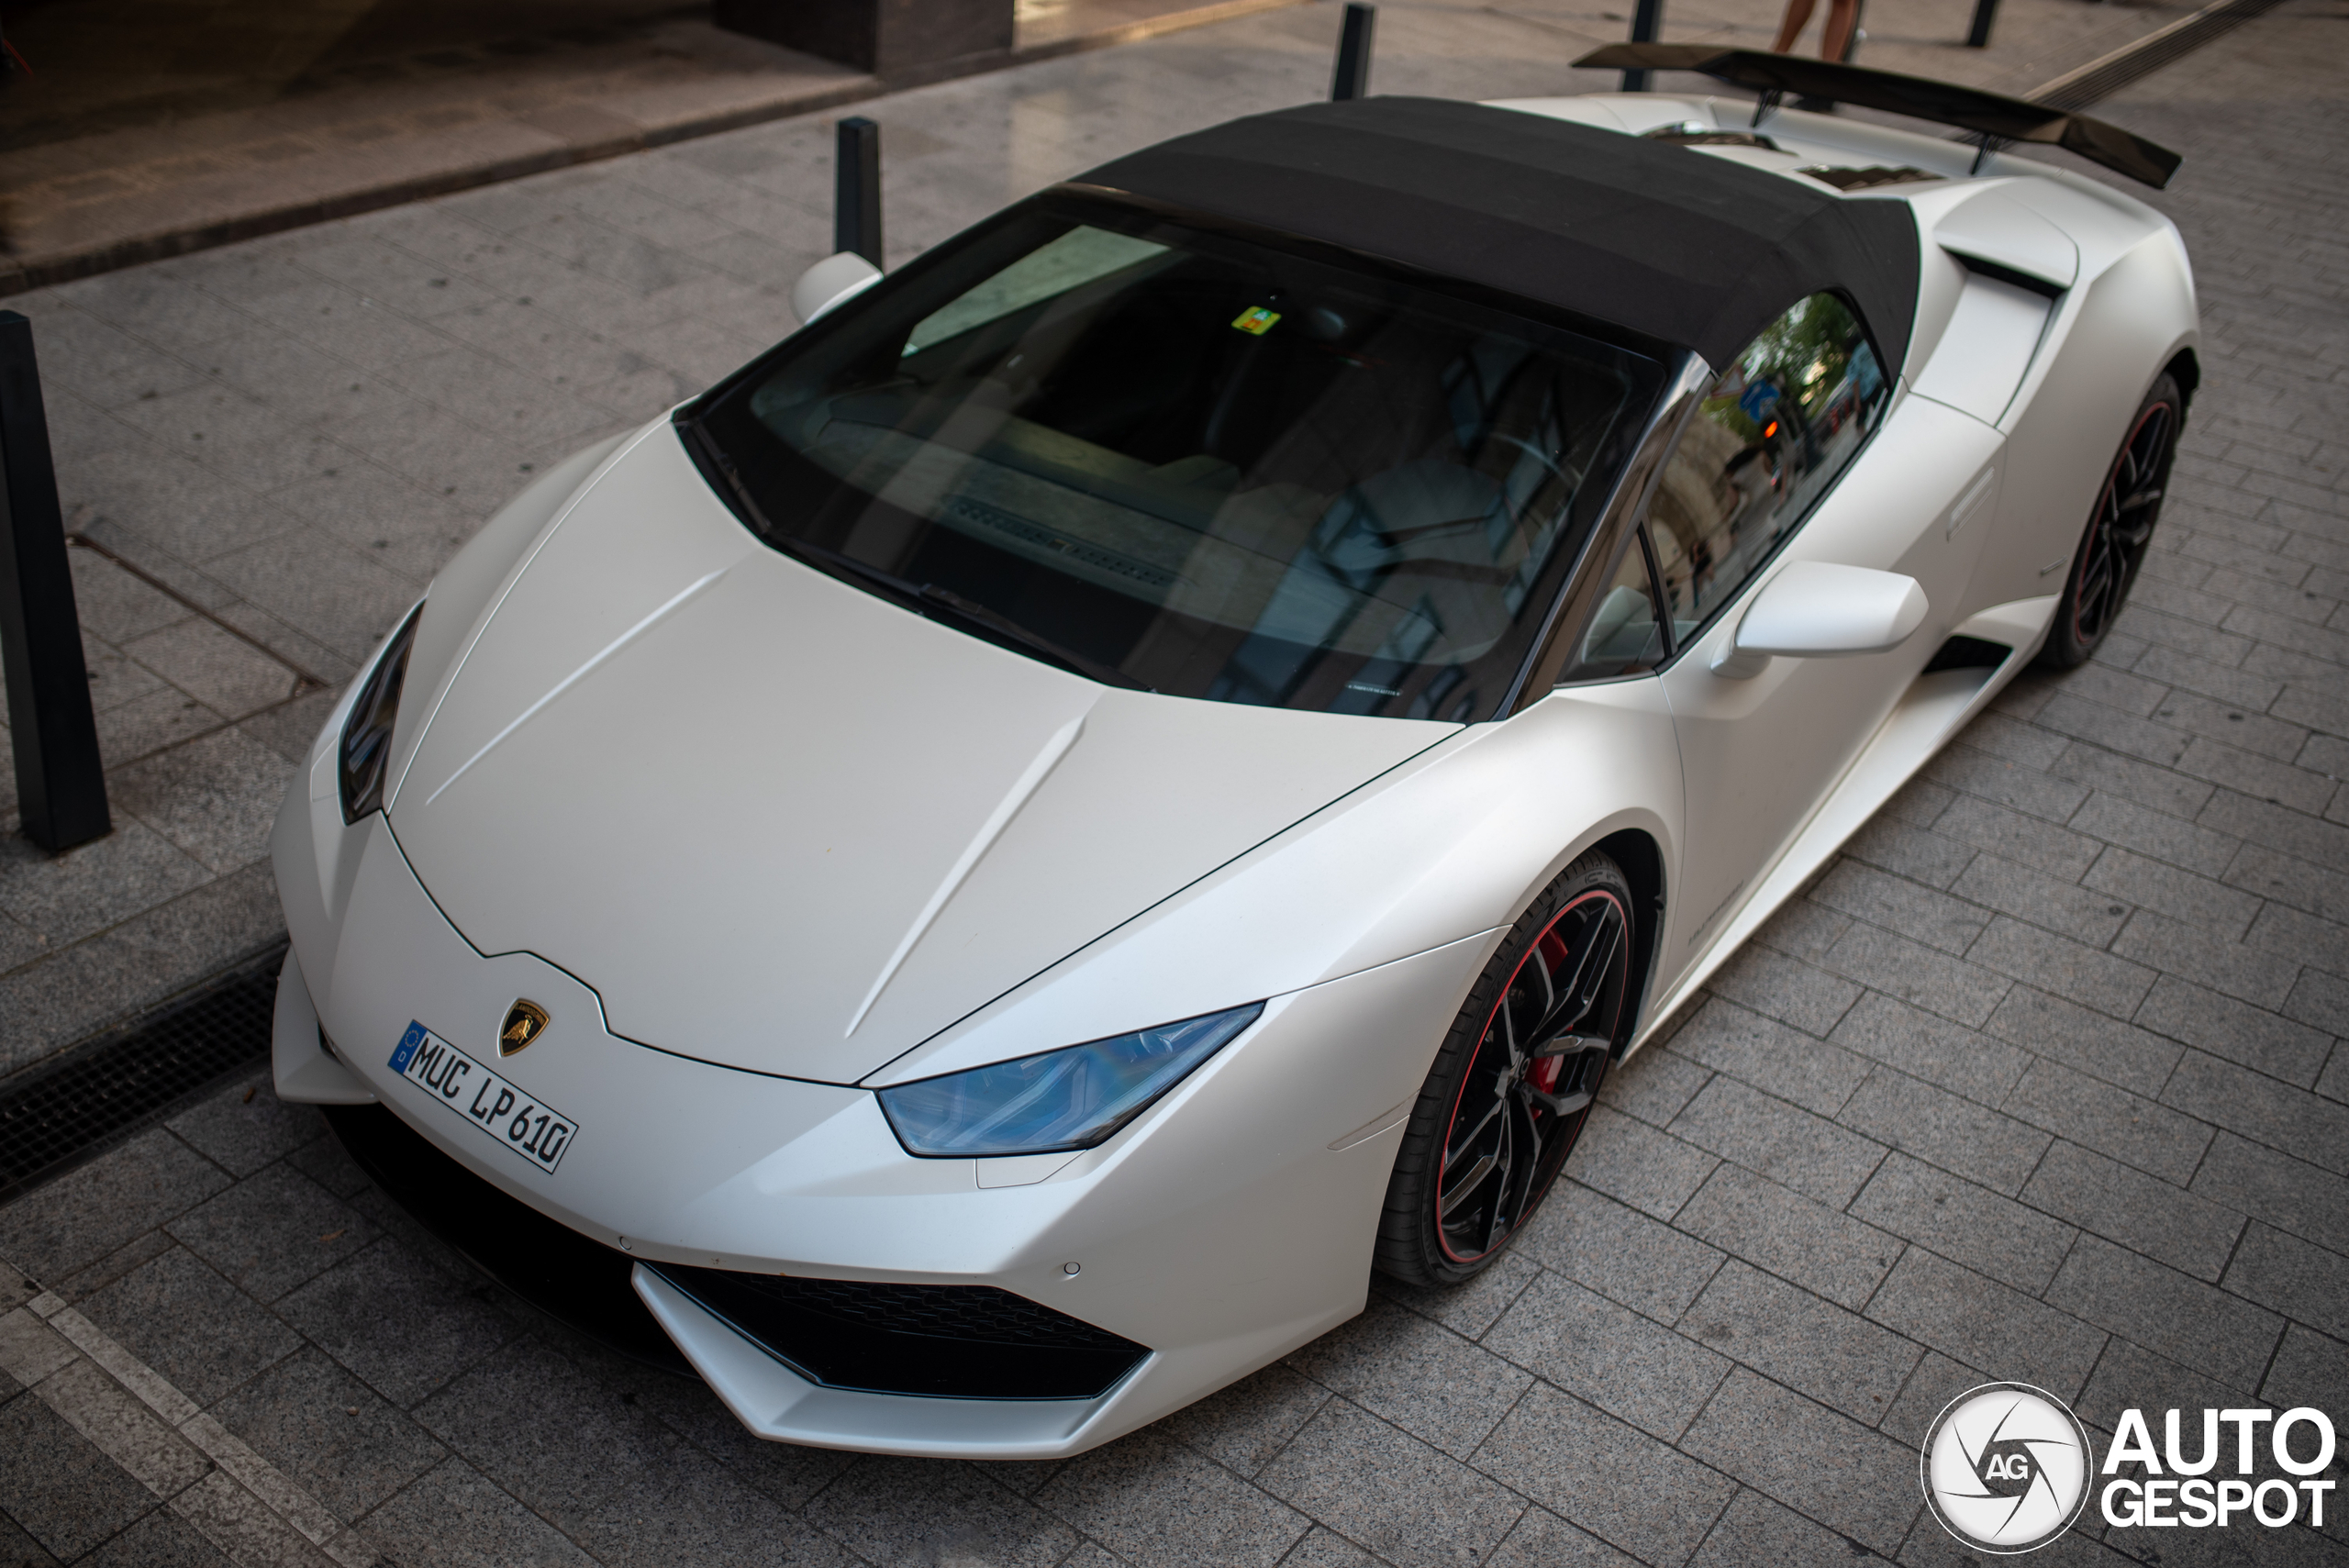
[367,733]
[1072,1098]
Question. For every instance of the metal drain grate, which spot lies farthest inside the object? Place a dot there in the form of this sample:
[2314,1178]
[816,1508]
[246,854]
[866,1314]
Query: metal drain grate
[56,1116]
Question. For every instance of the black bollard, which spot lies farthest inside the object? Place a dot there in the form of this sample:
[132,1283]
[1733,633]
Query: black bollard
[1647,23]
[61,787]
[1351,79]
[1985,13]
[856,191]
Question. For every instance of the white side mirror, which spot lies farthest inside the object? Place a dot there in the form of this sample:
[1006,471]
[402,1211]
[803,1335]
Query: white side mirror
[1815,609]
[829,282]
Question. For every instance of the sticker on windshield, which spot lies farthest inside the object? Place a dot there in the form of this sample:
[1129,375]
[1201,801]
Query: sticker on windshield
[1256,320]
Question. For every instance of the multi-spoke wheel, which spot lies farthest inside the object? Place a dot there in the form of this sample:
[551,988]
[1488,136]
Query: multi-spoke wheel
[2119,529]
[1514,1082]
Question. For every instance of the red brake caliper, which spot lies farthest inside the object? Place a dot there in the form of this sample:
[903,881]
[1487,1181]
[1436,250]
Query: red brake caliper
[1543,1075]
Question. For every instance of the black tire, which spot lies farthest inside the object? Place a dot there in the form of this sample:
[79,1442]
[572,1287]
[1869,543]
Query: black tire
[2119,528]
[1513,1084]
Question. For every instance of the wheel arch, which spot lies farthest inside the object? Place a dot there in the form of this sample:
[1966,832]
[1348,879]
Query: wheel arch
[1642,860]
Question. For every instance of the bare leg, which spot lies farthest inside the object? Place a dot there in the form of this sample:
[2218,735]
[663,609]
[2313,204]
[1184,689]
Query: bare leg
[1798,17]
[1842,17]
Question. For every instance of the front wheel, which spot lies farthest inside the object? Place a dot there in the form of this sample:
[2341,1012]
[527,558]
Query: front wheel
[2118,530]
[1514,1082]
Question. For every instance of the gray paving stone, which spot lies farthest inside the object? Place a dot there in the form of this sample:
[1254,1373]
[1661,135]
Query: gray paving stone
[331,1434]
[1652,1086]
[2069,969]
[54,1483]
[2131,779]
[2155,834]
[190,1324]
[1152,1501]
[2223,911]
[1773,1139]
[1767,1055]
[2301,937]
[1898,905]
[1321,1548]
[2288,1193]
[2262,1109]
[1957,1135]
[2306,1282]
[1796,1237]
[1541,1540]
[2308,1369]
[916,1512]
[241,1134]
[1909,851]
[1802,929]
[1976,1320]
[1618,1252]
[1242,1428]
[1783,988]
[2111,1120]
[1389,1492]
[2251,1036]
[1755,1532]
[1914,973]
[2319,999]
[1421,1377]
[1857,1481]
[2065,908]
[1623,1363]
[2131,1377]
[2058,852]
[161,1540]
[272,1232]
[1466,1309]
[2248,973]
[396,1321]
[1616,1482]
[1966,1223]
[1630,1160]
[2093,1042]
[2124,1204]
[2277,827]
[1931,1388]
[456,1518]
[1787,1334]
[88,1213]
[2154,1306]
[1923,1046]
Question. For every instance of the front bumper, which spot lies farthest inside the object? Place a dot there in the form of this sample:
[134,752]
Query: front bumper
[1226,1226]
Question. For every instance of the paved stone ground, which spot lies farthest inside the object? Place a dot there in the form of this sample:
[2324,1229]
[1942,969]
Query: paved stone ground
[2041,1080]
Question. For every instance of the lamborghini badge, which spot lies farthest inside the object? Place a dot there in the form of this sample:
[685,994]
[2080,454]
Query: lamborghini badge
[525,1021]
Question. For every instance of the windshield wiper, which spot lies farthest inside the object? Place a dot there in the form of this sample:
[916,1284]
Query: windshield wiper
[1035,642]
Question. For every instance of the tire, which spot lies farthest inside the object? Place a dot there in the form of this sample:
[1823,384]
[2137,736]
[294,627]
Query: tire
[2119,528]
[1513,1084]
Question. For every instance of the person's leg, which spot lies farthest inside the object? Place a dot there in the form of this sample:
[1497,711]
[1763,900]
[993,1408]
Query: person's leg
[1798,16]
[1842,17]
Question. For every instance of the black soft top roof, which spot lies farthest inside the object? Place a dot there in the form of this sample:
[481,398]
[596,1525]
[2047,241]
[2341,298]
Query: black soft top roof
[1665,240]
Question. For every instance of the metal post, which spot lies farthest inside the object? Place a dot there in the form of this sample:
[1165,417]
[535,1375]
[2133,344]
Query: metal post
[1647,24]
[856,193]
[1978,35]
[60,785]
[1351,79]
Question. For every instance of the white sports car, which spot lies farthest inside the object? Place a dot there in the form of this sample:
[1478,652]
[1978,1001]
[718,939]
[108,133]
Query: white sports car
[971,883]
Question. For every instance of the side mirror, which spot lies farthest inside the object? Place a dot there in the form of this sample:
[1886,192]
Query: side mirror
[1815,609]
[829,282]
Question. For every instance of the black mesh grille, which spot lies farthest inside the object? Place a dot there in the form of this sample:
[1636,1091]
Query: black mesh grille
[55,1116]
[979,1312]
[953,1342]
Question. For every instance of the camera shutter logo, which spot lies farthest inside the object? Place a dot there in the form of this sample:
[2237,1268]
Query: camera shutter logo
[2006,1467]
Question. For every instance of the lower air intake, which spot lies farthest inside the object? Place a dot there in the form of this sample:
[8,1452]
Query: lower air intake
[946,1341]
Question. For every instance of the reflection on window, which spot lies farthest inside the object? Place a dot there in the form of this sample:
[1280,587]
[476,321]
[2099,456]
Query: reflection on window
[1221,470]
[1624,637]
[1767,441]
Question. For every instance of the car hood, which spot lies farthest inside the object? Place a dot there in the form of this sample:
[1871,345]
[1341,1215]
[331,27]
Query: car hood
[781,824]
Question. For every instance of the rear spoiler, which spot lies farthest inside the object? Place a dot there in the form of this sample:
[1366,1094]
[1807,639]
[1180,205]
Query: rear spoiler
[1992,117]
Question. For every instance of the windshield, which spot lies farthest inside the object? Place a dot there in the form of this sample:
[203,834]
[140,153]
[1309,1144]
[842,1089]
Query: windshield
[1190,463]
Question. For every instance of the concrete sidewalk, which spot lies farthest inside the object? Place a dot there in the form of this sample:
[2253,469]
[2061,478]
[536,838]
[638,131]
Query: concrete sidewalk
[2041,1081]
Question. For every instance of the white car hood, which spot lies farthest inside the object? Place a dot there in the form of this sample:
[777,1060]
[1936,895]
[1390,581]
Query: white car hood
[781,824]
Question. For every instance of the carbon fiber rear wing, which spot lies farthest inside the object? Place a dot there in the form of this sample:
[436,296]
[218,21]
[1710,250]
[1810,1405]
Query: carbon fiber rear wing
[1990,116]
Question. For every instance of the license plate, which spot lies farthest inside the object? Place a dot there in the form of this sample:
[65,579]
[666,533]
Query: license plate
[526,1125]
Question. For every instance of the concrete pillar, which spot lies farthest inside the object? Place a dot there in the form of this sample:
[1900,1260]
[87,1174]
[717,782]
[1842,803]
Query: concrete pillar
[889,38]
